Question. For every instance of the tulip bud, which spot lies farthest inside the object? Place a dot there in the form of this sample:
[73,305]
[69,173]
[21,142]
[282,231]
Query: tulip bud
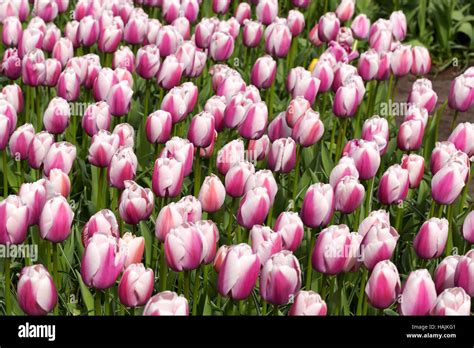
[103,147]
[296,109]
[104,221]
[278,39]
[393,186]
[56,219]
[119,98]
[38,149]
[381,41]
[132,247]
[236,178]
[368,64]
[33,68]
[430,241]
[135,29]
[265,242]
[378,244]
[444,273]
[447,184]
[185,248]
[254,122]
[383,286]
[399,25]
[136,203]
[191,208]
[210,234]
[56,116]
[122,167]
[280,279]
[103,83]
[148,61]
[216,106]
[167,303]
[266,11]
[169,217]
[308,303]
[110,36]
[14,216]
[252,33]
[201,129]
[295,21]
[102,261]
[238,285]
[421,61]
[282,155]
[11,64]
[415,165]
[36,292]
[136,286]
[96,118]
[461,93]
[401,60]
[463,138]
[440,155]
[309,129]
[328,27]
[452,301]
[30,39]
[331,251]
[464,274]
[360,26]
[346,101]
[221,46]
[20,141]
[58,182]
[345,167]
[318,205]
[88,31]
[181,150]
[33,195]
[348,195]
[263,72]
[253,207]
[366,157]
[243,12]
[71,32]
[418,294]
[175,104]
[230,154]
[290,227]
[158,127]
[167,177]
[376,218]
[12,31]
[51,36]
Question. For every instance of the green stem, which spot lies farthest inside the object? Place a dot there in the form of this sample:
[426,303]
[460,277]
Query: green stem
[449,244]
[453,123]
[8,303]
[399,217]
[197,173]
[186,284]
[361,300]
[264,308]
[107,303]
[55,271]
[196,291]
[97,304]
[296,175]
[163,269]
[323,287]
[5,173]
[39,116]
[368,200]
[275,310]
[309,269]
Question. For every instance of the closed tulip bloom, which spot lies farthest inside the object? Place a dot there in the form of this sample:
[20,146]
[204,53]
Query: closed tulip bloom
[399,25]
[290,227]
[309,129]
[69,85]
[323,71]
[169,217]
[132,247]
[360,26]
[11,65]
[318,205]
[444,273]
[464,274]
[277,39]
[236,178]
[447,184]
[216,106]
[135,29]
[51,36]
[410,135]
[58,182]
[201,129]
[71,32]
[167,303]
[243,12]
[308,303]
[263,72]
[423,95]
[102,261]
[254,122]
[345,167]
[461,93]
[468,228]
[158,127]
[119,98]
[393,185]
[122,167]
[175,104]
[252,33]
[381,41]
[280,279]
[328,27]
[148,61]
[88,31]
[296,109]
[258,149]
[30,39]
[296,22]
[266,11]
[221,46]
[383,286]
[366,157]
[431,239]
[421,61]
[20,141]
[440,155]
[378,244]
[236,110]
[33,195]
[348,195]
[452,301]
[230,154]
[103,83]
[263,178]
[220,257]
[345,10]
[220,6]
[231,86]
[110,37]
[418,294]
[12,31]
[103,147]
[136,285]
[210,234]
[401,60]
[14,218]
[56,219]
[376,218]
[238,272]
[168,40]
[13,95]
[104,221]
[96,118]
[190,208]
[167,177]
[331,251]
[185,248]
[253,207]
[415,165]
[4,131]
[282,155]
[38,149]
[384,71]
[183,27]
[265,242]
[36,292]
[203,32]
[52,72]
[181,150]
[368,65]
[33,68]
[57,115]
[136,203]
[346,101]
[463,138]
[376,129]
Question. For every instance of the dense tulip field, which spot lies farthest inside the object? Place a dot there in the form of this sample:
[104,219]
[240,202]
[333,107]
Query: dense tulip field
[218,157]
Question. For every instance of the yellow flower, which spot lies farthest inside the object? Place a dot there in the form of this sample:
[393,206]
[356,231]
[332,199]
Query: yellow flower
[313,64]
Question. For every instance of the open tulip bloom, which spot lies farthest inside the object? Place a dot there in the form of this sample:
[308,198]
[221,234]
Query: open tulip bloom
[224,157]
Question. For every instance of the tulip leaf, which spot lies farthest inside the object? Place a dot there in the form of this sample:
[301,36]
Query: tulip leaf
[145,231]
[86,295]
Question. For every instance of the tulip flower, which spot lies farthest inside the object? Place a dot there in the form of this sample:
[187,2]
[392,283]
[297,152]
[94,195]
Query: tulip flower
[421,61]
[221,46]
[110,36]
[258,149]
[167,177]
[135,29]
[368,64]
[328,27]
[282,155]
[290,227]
[348,195]
[440,155]
[243,12]
[300,83]
[463,138]
[452,301]
[423,95]
[132,247]
[393,185]
[278,39]
[158,127]
[377,219]
[464,274]
[296,109]
[96,118]
[418,294]
[20,141]
[444,273]
[238,272]
[169,217]
[345,10]
[167,303]
[360,26]
[33,195]
[265,242]
[263,178]
[181,150]
[38,149]
[309,129]
[378,244]
[447,184]
[88,32]
[415,165]
[331,252]
[103,146]
[56,219]
[57,115]
[346,101]
[201,129]
[122,167]
[126,135]
[30,39]
[266,11]
[136,285]
[345,167]
[280,279]
[119,98]
[461,93]
[12,31]
[11,65]
[253,207]
[58,182]
[69,85]
[13,94]
[318,205]
[210,234]
[296,22]
[399,25]
[252,33]
[383,286]
[63,50]
[255,120]
[308,303]
[13,220]
[147,63]
[185,248]
[136,203]
[430,241]
[230,154]
[212,194]
[36,292]
[236,178]
[102,261]
[366,157]
[263,72]
[381,41]
[104,221]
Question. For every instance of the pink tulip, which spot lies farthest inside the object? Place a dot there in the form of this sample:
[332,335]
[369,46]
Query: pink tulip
[53,75]
[252,33]
[376,129]
[346,101]
[119,98]
[384,71]
[318,205]
[181,150]
[308,303]
[393,185]
[265,242]
[20,141]
[216,106]
[296,22]
[210,234]
[440,155]
[266,11]
[253,207]
[33,69]
[168,40]
[300,83]
[57,115]
[468,227]
[51,36]
[135,29]
[418,294]
[169,217]
[102,261]
[184,248]
[58,182]
[8,111]
[461,93]
[415,165]
[148,61]
[447,184]
[376,219]
[369,65]
[378,244]
[38,149]
[122,167]
[96,118]
[56,219]
[203,32]
[33,195]
[103,146]
[12,31]
[452,301]
[236,110]
[158,127]
[132,247]
[103,83]
[430,241]
[345,10]
[11,65]
[263,72]
[136,285]
[13,95]
[421,61]
[345,167]
[314,36]
[282,155]
[296,109]
[381,41]
[279,128]
[243,12]
[401,60]
[220,6]
[366,157]
[167,303]
[290,227]
[236,178]
[230,154]
[263,178]
[136,203]
[399,25]
[254,122]
[30,39]
[220,257]
[221,46]
[348,195]
[167,177]
[360,26]
[71,32]
[13,220]
[464,273]
[36,292]
[110,36]
[423,95]
[309,129]
[126,135]
[444,273]
[238,272]
[104,221]
[328,27]
[463,138]
[258,149]
[383,286]
[331,252]
[88,31]
[201,129]
[277,39]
